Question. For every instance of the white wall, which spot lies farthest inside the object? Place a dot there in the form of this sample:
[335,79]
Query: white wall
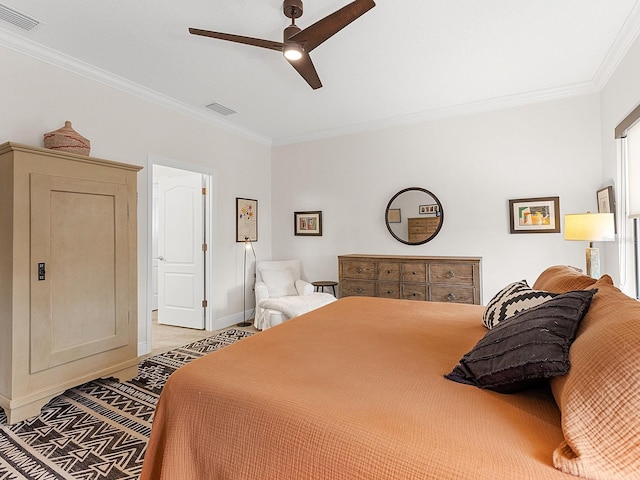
[474,164]
[37,97]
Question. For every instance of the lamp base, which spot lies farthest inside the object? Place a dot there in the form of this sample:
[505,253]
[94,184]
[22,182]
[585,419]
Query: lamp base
[244,324]
[593,262]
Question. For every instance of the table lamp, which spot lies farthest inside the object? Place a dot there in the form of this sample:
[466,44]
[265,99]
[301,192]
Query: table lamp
[590,227]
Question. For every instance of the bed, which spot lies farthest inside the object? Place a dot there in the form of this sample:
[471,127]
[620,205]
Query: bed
[356,390]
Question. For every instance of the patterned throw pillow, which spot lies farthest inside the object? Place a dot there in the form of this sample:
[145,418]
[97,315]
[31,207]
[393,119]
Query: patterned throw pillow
[513,298]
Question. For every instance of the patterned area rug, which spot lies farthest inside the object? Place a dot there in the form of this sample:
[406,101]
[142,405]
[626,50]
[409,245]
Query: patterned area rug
[98,430]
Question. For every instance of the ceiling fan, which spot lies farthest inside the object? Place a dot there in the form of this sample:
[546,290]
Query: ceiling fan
[298,43]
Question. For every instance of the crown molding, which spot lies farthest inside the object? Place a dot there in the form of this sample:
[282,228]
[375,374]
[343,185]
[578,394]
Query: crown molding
[626,37]
[73,65]
[498,103]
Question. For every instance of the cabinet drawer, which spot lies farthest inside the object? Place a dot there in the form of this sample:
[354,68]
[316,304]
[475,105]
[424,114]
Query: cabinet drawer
[451,273]
[365,270]
[389,271]
[414,292]
[414,272]
[452,294]
[349,288]
[389,289]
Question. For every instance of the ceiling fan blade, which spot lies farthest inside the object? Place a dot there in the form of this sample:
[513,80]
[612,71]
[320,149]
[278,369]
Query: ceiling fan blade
[256,42]
[304,66]
[314,35]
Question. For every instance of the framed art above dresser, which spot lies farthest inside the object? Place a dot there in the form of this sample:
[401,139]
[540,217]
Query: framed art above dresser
[410,277]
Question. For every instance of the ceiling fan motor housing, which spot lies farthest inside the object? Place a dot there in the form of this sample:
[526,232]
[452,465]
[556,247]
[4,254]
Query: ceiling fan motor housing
[292,8]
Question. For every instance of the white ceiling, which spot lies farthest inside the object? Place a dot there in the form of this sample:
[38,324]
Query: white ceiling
[404,60]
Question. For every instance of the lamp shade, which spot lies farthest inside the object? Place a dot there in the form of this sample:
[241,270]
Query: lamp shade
[590,227]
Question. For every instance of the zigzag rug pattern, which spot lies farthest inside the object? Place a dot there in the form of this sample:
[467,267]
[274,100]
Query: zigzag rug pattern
[98,430]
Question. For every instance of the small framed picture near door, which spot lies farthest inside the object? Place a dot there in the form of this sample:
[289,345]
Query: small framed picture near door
[308,223]
[246,220]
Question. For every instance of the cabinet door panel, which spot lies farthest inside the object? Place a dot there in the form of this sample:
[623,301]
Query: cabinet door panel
[80,308]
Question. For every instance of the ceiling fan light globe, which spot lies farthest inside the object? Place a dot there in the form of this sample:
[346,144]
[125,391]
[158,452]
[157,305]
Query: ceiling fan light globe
[292,53]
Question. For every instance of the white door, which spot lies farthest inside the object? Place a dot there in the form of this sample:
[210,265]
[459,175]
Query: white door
[154,248]
[181,266]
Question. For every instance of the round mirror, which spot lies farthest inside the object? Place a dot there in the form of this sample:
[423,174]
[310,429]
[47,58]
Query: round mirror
[414,216]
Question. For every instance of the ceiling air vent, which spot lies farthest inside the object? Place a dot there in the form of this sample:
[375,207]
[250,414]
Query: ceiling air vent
[16,18]
[221,109]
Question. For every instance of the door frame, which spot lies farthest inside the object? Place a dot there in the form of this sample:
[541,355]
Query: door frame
[210,205]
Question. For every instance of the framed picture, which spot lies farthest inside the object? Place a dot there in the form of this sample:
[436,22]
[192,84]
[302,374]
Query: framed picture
[426,209]
[393,215]
[308,223]
[246,219]
[607,203]
[535,215]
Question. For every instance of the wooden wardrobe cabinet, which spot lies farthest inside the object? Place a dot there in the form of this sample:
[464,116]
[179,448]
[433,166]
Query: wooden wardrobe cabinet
[68,288]
[436,279]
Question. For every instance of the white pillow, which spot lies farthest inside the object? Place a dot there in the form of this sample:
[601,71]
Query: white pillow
[279,282]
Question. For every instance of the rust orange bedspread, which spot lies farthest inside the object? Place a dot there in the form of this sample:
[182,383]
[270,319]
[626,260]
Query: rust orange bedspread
[354,390]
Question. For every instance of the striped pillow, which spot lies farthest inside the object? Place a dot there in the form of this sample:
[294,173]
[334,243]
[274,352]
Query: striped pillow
[513,298]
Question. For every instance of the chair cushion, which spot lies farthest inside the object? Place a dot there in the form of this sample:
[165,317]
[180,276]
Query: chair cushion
[279,282]
[530,346]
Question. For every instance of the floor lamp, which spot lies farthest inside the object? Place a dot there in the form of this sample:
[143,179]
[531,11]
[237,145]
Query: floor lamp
[248,245]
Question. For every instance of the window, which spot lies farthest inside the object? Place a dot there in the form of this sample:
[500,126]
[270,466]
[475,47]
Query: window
[629,134]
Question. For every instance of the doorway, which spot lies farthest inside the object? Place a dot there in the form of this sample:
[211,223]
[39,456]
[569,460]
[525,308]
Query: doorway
[180,210]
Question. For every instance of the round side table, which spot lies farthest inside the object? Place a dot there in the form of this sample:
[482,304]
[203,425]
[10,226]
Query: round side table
[321,284]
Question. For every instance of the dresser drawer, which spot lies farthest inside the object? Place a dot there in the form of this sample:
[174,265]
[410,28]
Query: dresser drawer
[452,294]
[359,269]
[451,273]
[389,289]
[414,272]
[389,271]
[350,288]
[430,222]
[414,292]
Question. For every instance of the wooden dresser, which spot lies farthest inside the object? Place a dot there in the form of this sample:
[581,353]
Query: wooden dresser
[422,228]
[68,296]
[437,279]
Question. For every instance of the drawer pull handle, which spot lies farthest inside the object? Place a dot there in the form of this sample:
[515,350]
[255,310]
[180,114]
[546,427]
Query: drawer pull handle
[388,272]
[450,274]
[451,297]
[359,269]
[359,290]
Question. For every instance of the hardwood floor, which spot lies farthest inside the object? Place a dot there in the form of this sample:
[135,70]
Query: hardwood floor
[166,337]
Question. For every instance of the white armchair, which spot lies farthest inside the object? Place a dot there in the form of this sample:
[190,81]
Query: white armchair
[277,279]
